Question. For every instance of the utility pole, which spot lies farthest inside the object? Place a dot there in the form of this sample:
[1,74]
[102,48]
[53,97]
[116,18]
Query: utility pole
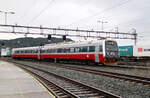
[116,29]
[135,36]
[6,15]
[102,23]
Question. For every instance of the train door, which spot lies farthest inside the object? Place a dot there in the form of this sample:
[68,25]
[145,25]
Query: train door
[39,54]
[96,54]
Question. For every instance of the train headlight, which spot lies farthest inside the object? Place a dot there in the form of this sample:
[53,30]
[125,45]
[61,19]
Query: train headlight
[87,56]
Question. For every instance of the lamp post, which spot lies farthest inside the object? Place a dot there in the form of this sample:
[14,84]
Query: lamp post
[102,23]
[6,15]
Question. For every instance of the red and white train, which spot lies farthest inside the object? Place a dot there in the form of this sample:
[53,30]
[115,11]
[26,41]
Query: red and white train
[103,51]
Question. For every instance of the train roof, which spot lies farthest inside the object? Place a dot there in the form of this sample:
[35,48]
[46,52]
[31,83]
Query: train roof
[71,44]
[26,48]
[65,44]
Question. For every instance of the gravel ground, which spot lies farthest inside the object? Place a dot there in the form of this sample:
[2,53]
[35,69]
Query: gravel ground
[128,71]
[136,72]
[122,88]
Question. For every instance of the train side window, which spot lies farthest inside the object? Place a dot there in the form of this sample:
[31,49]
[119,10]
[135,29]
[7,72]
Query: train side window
[42,51]
[100,49]
[77,49]
[80,49]
[36,51]
[54,51]
[68,50]
[16,52]
[59,50]
[91,48]
[72,50]
[84,49]
[64,50]
[49,51]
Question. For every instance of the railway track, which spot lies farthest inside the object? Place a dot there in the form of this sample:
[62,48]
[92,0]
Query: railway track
[137,79]
[63,87]
[131,78]
[127,67]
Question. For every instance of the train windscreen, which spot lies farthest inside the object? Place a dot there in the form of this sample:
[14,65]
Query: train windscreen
[111,48]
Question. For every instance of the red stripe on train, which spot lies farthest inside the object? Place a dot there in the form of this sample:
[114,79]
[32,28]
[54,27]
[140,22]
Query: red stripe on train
[69,56]
[101,58]
[25,56]
[61,56]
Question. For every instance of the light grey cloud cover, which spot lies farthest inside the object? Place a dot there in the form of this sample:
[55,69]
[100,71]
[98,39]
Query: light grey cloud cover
[124,14]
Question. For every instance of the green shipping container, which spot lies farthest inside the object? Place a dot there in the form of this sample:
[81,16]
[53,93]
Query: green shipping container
[126,50]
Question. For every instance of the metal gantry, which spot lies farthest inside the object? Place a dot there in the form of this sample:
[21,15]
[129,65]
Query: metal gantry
[19,29]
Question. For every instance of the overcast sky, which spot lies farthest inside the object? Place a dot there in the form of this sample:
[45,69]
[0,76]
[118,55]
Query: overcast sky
[84,14]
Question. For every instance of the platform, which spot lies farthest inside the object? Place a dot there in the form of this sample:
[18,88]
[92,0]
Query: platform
[15,83]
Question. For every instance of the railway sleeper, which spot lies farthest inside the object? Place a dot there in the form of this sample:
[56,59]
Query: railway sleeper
[60,94]
[81,91]
[78,93]
[91,95]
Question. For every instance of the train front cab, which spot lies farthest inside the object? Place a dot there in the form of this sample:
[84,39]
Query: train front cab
[110,52]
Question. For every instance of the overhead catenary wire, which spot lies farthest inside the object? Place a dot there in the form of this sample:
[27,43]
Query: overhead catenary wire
[28,10]
[98,13]
[41,12]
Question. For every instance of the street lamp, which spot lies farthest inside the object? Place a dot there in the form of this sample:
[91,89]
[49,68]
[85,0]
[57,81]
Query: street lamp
[6,15]
[102,23]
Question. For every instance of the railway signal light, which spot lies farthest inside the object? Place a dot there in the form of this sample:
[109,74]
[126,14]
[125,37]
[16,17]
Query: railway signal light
[49,37]
[64,37]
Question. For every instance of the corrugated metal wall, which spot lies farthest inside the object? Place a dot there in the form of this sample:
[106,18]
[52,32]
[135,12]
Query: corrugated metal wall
[126,50]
